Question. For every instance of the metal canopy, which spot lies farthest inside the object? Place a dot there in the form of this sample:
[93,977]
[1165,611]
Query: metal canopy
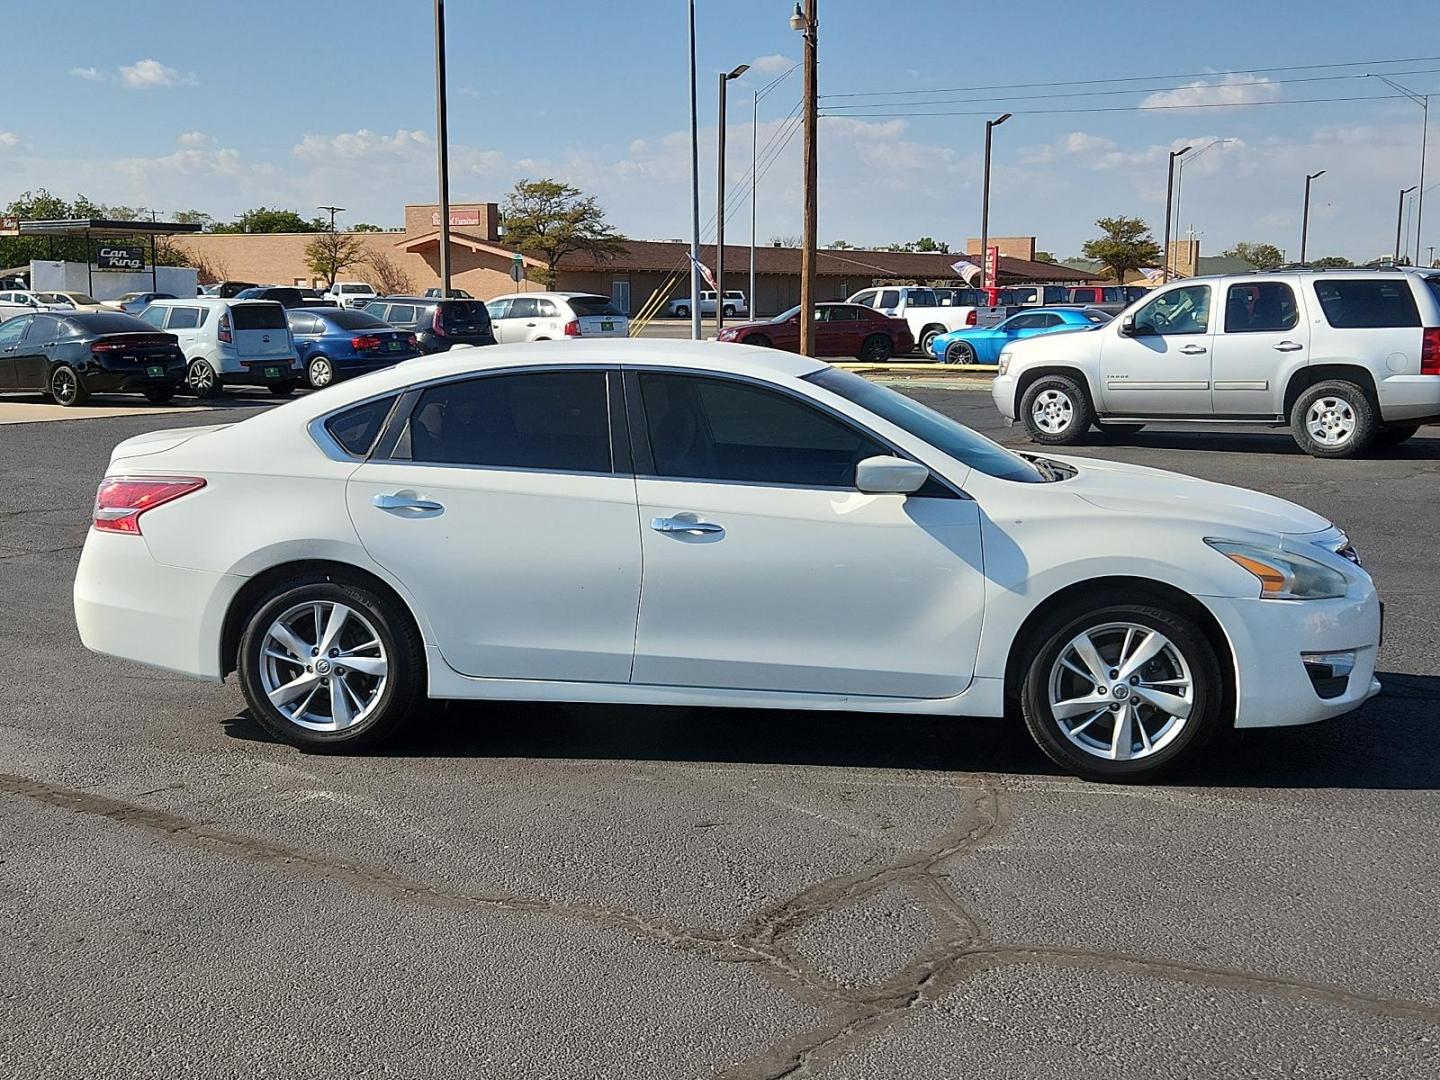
[83,226]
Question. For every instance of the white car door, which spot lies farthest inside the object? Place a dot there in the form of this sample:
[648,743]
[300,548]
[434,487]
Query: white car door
[1260,340]
[522,321]
[766,569]
[1162,367]
[502,510]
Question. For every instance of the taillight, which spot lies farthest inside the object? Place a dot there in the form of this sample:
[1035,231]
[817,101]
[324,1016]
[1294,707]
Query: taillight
[122,499]
[106,346]
[438,325]
[572,328]
[1430,351]
[412,341]
[223,331]
[365,343]
[970,319]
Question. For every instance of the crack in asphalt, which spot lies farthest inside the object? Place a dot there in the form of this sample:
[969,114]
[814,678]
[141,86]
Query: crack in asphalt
[959,948]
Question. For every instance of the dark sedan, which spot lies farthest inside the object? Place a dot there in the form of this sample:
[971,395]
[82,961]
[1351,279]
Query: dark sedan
[840,330]
[70,357]
[335,343]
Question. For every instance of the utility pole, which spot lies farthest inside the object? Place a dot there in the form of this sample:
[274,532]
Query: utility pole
[720,199]
[806,22]
[1169,197]
[694,192]
[442,147]
[1399,216]
[333,211]
[1423,100]
[1305,213]
[990,126]
[754,182]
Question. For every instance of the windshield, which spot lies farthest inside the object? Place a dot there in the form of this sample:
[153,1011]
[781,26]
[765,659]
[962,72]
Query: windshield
[786,316]
[925,423]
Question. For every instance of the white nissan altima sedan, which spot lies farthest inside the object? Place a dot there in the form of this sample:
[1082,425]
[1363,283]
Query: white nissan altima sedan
[658,522]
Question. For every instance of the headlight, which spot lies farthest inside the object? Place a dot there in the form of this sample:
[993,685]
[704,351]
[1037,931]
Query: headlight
[1004,363]
[1283,575]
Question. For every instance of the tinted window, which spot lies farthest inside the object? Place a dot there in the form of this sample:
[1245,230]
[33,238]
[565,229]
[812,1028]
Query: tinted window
[865,299]
[183,318]
[11,332]
[1264,305]
[1185,310]
[540,420]
[523,307]
[401,314]
[842,313]
[1025,321]
[464,316]
[593,305]
[43,328]
[716,429]
[350,319]
[1366,304]
[304,324]
[357,429]
[258,317]
[1050,319]
[155,316]
[888,298]
[498,308]
[112,323]
[372,307]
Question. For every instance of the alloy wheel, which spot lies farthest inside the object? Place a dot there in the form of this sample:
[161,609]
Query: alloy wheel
[1052,411]
[1121,691]
[65,386]
[960,352]
[321,373]
[1331,421]
[201,377]
[323,666]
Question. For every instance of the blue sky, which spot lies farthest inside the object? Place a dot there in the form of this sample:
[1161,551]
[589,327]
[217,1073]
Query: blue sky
[178,105]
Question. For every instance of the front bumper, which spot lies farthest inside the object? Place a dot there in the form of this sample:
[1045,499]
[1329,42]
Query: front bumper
[1002,392]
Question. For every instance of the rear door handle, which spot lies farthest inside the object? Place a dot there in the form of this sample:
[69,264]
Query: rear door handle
[685,525]
[1287,346]
[406,504]
[1192,350]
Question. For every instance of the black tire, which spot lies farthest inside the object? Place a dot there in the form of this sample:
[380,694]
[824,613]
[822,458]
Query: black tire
[202,380]
[159,395]
[1180,743]
[399,696]
[319,372]
[959,352]
[66,387]
[1340,407]
[682,312]
[1390,437]
[1119,429]
[729,310]
[1065,408]
[928,336]
[757,339]
[281,390]
[877,348]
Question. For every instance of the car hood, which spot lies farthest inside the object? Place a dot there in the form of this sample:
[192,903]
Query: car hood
[156,442]
[1135,489]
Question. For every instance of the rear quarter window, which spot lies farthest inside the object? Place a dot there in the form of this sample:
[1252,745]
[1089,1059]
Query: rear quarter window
[1357,304]
[357,429]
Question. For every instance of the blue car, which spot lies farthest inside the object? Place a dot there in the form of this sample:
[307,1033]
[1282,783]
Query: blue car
[982,345]
[335,343]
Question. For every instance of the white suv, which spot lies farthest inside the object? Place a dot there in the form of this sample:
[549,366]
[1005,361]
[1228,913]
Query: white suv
[230,343]
[350,293]
[734,304]
[1348,359]
[550,316]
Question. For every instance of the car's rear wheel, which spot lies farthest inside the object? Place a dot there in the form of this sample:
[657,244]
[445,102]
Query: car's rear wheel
[1394,436]
[319,372]
[729,310]
[201,379]
[877,348]
[330,665]
[959,352]
[1123,693]
[159,395]
[1056,411]
[682,312]
[1333,419]
[66,388]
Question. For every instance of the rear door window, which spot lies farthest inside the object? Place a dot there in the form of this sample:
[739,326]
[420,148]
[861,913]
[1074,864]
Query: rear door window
[155,316]
[524,307]
[1355,304]
[263,316]
[1260,306]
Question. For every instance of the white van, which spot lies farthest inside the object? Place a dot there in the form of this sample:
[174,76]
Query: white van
[230,343]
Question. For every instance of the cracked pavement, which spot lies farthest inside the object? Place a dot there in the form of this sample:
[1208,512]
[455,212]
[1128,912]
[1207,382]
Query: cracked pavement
[568,891]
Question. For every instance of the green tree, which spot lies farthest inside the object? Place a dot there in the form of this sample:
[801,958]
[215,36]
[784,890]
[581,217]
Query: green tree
[1260,256]
[265,220]
[1125,246]
[193,217]
[365,226]
[928,243]
[556,219]
[840,245]
[332,253]
[1331,262]
[1045,257]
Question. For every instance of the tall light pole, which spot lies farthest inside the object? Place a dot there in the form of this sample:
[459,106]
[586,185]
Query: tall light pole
[990,126]
[442,147]
[806,23]
[1169,205]
[1399,216]
[694,192]
[725,80]
[1305,214]
[333,211]
[1423,100]
[1180,173]
[754,181]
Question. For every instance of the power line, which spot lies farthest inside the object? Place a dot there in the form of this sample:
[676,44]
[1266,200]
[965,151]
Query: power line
[1119,108]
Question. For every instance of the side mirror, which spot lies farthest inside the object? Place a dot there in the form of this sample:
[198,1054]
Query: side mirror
[1127,326]
[887,475]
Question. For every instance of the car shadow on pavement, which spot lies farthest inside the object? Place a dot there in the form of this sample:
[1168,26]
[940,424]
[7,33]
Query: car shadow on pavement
[1391,743]
[1422,447]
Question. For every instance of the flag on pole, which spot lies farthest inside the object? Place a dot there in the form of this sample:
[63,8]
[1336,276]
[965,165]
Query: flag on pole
[1152,274]
[705,272]
[967,270]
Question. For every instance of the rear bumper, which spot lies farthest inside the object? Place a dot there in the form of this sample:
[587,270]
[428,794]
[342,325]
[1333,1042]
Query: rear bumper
[102,379]
[258,372]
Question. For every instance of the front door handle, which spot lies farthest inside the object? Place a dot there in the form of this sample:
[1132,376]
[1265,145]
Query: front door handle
[1287,346]
[685,525]
[1192,350]
[407,504]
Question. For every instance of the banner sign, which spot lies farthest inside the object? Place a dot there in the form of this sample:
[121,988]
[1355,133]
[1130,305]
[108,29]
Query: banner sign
[992,265]
[457,217]
[9,226]
[120,257]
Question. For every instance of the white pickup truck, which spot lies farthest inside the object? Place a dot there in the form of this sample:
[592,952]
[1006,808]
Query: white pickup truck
[921,308]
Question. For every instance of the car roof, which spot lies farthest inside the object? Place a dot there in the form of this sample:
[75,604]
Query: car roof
[209,301]
[549,295]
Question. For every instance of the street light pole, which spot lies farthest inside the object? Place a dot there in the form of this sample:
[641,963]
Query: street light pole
[333,211]
[1399,216]
[1423,100]
[720,199]
[1169,206]
[694,192]
[806,22]
[442,147]
[754,136]
[1305,214]
[990,126]
[1180,173]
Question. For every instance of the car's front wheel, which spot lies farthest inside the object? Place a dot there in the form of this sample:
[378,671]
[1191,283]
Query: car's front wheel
[330,665]
[1333,419]
[729,311]
[758,340]
[1055,410]
[1123,693]
[682,312]
[959,352]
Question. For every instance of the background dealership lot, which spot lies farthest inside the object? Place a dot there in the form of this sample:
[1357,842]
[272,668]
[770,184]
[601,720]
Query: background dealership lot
[557,890]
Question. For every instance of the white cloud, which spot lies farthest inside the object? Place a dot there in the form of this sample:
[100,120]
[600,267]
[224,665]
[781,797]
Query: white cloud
[8,139]
[89,74]
[1228,90]
[772,65]
[195,138]
[148,74]
[1080,142]
[363,144]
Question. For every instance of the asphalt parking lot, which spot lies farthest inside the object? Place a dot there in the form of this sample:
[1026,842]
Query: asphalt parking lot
[566,891]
